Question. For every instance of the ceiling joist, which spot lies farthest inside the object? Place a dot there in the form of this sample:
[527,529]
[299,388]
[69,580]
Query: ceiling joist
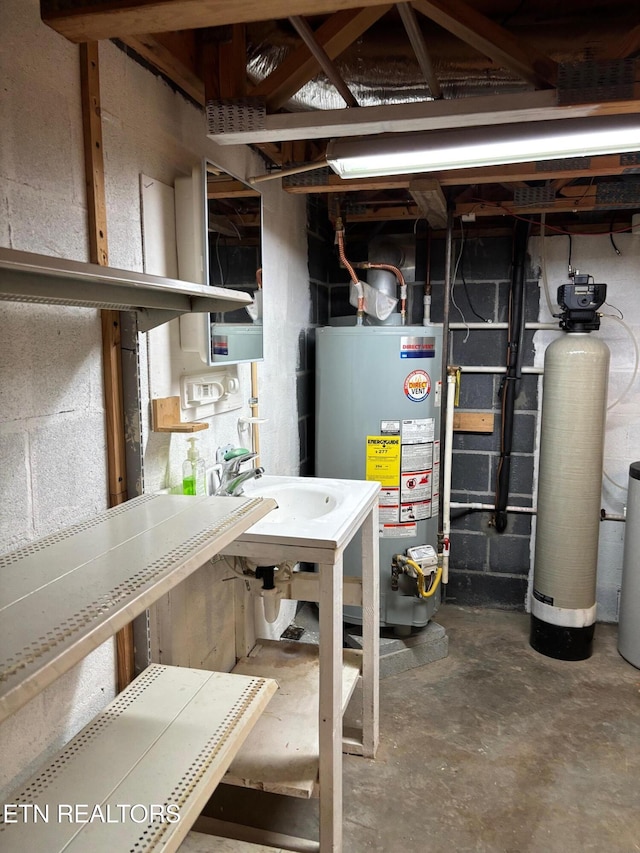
[492,40]
[334,36]
[323,59]
[86,20]
[414,34]
[426,115]
[428,195]
[560,172]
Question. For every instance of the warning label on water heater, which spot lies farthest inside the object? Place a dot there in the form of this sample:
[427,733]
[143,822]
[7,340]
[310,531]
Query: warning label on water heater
[399,531]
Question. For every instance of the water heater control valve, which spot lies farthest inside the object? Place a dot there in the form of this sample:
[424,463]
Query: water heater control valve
[410,570]
[425,556]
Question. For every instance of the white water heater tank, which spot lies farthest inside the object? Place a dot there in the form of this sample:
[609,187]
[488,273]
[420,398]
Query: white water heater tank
[378,402]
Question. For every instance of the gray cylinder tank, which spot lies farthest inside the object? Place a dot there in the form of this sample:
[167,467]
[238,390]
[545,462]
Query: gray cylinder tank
[629,619]
[378,392]
[563,605]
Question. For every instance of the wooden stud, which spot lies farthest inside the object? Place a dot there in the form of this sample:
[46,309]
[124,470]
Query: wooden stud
[93,158]
[111,351]
[330,717]
[370,634]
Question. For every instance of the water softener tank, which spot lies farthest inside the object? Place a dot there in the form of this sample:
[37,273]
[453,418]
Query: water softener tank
[629,623]
[378,391]
[563,604]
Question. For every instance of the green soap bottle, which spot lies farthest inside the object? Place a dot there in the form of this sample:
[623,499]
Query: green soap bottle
[193,472]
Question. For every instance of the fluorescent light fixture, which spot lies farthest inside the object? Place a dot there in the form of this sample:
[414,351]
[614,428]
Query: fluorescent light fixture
[468,147]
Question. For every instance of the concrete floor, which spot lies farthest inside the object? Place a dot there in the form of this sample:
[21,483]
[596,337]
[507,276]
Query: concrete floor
[495,749]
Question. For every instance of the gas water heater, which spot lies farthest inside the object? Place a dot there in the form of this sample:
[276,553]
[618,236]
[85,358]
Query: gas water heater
[378,394]
[576,368]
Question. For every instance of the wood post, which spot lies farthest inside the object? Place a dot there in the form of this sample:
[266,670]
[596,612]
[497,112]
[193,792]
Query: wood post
[112,359]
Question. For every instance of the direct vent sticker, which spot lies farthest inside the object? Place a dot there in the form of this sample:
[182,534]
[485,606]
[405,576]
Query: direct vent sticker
[417,386]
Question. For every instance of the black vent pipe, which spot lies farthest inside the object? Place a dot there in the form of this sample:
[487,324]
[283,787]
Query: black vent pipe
[510,386]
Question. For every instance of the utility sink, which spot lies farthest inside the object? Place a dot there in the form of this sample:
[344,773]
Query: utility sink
[311,510]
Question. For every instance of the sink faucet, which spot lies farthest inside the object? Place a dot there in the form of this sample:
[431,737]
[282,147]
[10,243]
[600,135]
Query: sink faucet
[234,487]
[231,479]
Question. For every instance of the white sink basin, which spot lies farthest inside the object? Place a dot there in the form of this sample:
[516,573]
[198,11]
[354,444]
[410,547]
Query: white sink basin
[311,510]
[298,501]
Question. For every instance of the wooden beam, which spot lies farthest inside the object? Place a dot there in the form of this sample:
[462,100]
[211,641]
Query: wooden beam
[514,173]
[627,46]
[414,33]
[323,59]
[232,57]
[428,195]
[473,422]
[334,36]
[587,201]
[174,55]
[384,213]
[492,40]
[86,20]
[426,115]
[271,152]
[580,198]
[111,352]
[230,189]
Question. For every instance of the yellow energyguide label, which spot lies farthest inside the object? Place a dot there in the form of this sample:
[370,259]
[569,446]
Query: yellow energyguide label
[383,459]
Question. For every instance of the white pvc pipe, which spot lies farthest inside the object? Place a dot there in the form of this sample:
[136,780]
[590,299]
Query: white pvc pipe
[541,326]
[484,368]
[490,507]
[446,476]
[426,309]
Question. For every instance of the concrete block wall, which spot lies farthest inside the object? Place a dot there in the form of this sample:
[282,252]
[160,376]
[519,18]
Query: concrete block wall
[52,435]
[488,568]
